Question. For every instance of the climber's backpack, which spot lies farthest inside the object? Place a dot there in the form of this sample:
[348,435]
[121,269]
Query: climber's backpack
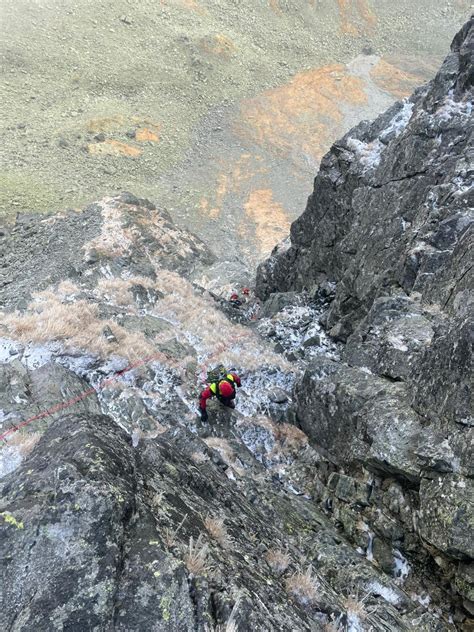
[214,376]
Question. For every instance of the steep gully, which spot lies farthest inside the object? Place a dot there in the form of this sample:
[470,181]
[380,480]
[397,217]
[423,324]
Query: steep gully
[336,496]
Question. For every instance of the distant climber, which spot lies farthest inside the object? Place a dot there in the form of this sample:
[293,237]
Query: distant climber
[235,300]
[221,384]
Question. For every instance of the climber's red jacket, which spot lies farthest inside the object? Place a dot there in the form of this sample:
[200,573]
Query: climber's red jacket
[211,390]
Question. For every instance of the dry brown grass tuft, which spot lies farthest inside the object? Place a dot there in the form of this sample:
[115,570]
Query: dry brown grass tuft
[217,530]
[226,452]
[169,537]
[303,587]
[77,325]
[24,442]
[67,289]
[291,437]
[355,606]
[195,557]
[277,560]
[49,319]
[199,457]
[115,290]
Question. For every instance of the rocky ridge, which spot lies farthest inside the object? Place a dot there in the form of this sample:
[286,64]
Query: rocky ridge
[389,230]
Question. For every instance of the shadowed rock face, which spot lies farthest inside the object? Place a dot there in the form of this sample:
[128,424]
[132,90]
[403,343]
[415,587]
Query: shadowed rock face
[390,225]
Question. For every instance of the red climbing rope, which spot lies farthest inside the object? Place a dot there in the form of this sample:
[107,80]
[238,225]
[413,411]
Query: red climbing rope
[78,398]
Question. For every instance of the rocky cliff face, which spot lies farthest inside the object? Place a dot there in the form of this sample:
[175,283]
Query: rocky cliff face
[387,237]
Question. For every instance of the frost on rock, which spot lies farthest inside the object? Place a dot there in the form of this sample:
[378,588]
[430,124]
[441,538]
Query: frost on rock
[297,327]
[9,349]
[451,108]
[402,567]
[385,592]
[254,396]
[398,123]
[36,356]
[368,154]
[10,459]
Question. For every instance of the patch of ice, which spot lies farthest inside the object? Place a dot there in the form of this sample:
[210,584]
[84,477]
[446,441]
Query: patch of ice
[402,567]
[385,592]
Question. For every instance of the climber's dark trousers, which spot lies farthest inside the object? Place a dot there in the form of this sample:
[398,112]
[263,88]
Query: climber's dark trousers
[227,401]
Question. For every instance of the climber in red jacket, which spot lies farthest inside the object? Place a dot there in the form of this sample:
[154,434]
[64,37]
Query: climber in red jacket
[224,390]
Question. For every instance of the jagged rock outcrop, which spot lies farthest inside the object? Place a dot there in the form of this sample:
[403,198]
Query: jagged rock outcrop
[390,223]
[101,535]
[116,234]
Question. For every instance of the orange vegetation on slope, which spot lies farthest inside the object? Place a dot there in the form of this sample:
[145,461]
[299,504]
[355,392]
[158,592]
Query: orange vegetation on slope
[393,80]
[299,119]
[113,148]
[219,45]
[232,179]
[146,134]
[269,218]
[356,16]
